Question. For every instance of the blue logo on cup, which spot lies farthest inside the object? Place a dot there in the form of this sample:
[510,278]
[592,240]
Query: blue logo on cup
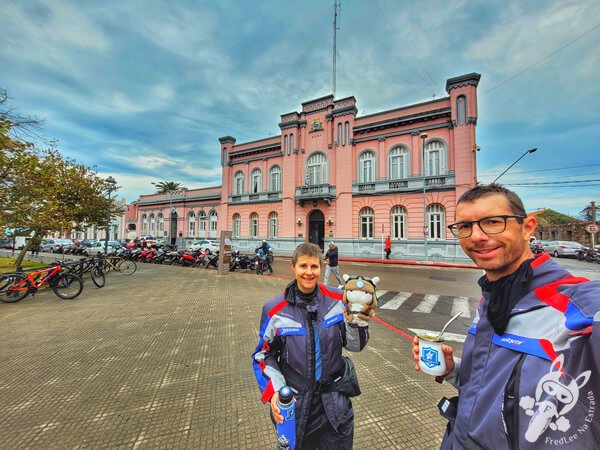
[430,357]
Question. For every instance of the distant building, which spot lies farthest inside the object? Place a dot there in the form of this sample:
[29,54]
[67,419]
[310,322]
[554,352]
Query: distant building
[333,175]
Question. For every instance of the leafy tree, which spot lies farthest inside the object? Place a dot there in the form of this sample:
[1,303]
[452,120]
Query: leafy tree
[43,192]
[550,217]
[168,187]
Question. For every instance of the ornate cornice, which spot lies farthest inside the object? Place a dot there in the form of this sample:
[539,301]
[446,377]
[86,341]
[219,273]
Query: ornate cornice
[470,79]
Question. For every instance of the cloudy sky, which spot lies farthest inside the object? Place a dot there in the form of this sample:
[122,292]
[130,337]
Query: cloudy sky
[143,89]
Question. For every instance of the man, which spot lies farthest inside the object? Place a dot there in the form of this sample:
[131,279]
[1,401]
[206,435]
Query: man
[388,247]
[263,254]
[302,333]
[528,377]
[331,267]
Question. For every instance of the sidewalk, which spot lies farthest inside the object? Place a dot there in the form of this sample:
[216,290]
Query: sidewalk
[161,359]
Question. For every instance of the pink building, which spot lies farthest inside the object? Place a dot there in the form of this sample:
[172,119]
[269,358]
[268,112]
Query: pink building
[331,175]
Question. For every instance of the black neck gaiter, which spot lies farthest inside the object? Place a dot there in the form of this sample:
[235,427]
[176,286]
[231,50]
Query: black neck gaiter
[505,293]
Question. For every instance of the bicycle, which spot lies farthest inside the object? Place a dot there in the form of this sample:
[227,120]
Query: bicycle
[92,265]
[119,264]
[16,286]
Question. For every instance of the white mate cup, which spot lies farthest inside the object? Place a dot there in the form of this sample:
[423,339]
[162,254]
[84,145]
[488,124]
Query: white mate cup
[431,357]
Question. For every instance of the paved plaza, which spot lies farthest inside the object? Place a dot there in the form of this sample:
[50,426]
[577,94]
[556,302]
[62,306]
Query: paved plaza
[161,359]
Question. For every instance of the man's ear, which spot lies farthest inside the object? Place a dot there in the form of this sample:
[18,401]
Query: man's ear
[529,225]
[292,266]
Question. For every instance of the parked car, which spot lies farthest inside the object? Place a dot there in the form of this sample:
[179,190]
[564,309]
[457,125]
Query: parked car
[98,247]
[54,245]
[88,242]
[149,239]
[206,244]
[6,243]
[562,248]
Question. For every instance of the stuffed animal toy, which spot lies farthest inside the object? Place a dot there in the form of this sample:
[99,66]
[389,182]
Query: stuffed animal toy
[360,298]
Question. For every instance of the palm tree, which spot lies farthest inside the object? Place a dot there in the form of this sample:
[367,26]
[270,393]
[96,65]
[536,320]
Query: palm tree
[168,187]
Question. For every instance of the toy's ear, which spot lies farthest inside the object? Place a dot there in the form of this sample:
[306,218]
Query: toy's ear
[346,277]
[375,280]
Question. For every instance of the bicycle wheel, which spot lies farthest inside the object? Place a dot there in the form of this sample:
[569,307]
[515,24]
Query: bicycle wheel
[14,287]
[67,286]
[127,267]
[98,277]
[270,258]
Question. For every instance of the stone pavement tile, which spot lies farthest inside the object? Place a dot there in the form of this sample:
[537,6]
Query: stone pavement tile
[161,359]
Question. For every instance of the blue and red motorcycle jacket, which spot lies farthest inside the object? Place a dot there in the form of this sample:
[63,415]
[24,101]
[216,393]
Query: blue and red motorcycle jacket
[311,345]
[538,384]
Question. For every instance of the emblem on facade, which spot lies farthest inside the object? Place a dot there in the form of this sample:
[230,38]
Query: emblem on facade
[555,395]
[317,125]
[431,357]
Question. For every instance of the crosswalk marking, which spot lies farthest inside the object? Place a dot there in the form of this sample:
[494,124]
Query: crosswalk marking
[427,304]
[454,337]
[396,302]
[381,293]
[461,304]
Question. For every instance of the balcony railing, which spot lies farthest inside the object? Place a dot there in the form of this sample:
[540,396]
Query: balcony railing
[315,191]
[384,186]
[255,197]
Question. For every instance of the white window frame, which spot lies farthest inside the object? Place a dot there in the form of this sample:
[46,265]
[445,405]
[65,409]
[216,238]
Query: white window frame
[253,230]
[144,224]
[160,222]
[436,221]
[213,220]
[236,227]
[238,183]
[273,224]
[399,223]
[275,178]
[367,164]
[435,158]
[256,181]
[366,223]
[316,169]
[191,231]
[399,157]
[152,224]
[202,224]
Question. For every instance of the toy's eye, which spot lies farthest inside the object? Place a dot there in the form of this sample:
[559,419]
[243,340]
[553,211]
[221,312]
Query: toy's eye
[360,284]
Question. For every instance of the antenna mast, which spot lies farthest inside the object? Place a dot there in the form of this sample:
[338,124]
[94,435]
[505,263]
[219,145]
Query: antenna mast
[337,7]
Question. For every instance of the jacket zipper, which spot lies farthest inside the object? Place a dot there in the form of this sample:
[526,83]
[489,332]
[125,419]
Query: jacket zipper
[313,356]
[510,411]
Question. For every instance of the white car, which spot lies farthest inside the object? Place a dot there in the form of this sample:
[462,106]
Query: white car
[206,244]
[98,247]
[562,248]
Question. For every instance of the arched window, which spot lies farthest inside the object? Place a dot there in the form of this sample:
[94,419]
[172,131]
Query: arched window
[275,179]
[346,132]
[436,218]
[152,224]
[366,167]
[161,223]
[339,134]
[461,110]
[253,225]
[201,224]
[191,224]
[273,224]
[316,169]
[366,219]
[237,226]
[256,181]
[144,224]
[291,142]
[435,158]
[399,222]
[285,144]
[238,183]
[212,220]
[398,163]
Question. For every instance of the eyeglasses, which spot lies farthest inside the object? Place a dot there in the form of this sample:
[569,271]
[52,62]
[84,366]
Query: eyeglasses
[489,225]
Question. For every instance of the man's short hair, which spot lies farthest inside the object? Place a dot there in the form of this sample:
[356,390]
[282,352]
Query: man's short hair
[307,249]
[515,203]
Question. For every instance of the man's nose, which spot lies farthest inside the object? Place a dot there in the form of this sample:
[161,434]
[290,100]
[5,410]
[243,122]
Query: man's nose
[477,234]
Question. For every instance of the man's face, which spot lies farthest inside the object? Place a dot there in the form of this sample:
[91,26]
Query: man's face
[498,254]
[307,271]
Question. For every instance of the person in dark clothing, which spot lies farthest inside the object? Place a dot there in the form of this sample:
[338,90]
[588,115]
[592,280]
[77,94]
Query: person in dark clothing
[302,333]
[331,261]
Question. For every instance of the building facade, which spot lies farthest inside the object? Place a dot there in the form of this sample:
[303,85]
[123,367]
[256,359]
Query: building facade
[333,175]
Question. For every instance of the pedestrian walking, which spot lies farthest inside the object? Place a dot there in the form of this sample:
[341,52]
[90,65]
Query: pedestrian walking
[331,264]
[528,376]
[388,247]
[302,333]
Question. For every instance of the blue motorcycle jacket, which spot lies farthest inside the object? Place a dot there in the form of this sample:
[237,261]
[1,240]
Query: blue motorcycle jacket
[538,384]
[291,338]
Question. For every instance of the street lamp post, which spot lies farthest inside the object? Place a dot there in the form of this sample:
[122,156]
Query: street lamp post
[425,227]
[111,183]
[531,150]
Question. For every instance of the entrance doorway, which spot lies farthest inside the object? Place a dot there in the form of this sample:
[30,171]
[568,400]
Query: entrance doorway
[173,227]
[316,228]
